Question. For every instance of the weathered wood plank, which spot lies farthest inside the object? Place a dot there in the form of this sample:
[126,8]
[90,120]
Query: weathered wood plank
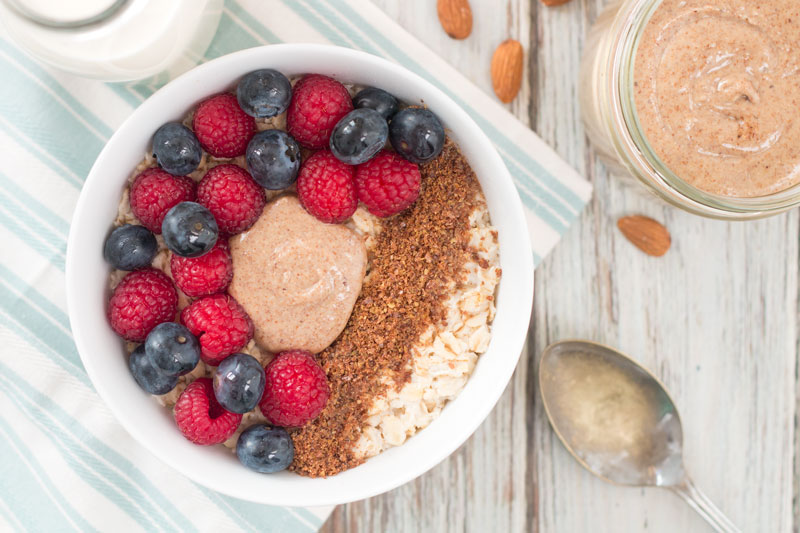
[715,319]
[482,487]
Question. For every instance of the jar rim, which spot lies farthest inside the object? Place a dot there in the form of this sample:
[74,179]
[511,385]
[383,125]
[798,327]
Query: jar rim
[44,19]
[632,143]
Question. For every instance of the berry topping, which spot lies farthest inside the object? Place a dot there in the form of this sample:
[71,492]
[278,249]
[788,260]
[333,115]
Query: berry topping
[318,103]
[201,418]
[130,247]
[416,134]
[377,99]
[264,93]
[205,275]
[235,200]
[326,189]
[220,324]
[296,391]
[273,159]
[222,127]
[154,192]
[147,375]
[265,449]
[189,229]
[141,301]
[176,149]
[239,383]
[387,184]
[359,136]
[172,349]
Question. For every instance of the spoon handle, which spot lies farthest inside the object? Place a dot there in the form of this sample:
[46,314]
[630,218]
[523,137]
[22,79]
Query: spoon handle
[704,507]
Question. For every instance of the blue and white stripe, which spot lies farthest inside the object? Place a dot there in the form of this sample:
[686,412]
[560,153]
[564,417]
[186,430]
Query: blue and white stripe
[66,464]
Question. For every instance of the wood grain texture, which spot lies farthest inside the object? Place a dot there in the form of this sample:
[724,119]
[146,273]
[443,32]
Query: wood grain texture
[716,319]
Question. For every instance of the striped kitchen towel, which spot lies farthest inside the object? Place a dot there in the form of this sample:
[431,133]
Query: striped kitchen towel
[65,463]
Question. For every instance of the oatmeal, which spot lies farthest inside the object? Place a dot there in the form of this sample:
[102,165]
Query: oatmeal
[421,320]
[445,354]
[380,318]
[417,327]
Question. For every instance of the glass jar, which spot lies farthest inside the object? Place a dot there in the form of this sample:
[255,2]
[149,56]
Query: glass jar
[609,115]
[114,40]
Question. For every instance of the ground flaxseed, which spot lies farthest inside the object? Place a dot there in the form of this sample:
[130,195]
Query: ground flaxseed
[417,257]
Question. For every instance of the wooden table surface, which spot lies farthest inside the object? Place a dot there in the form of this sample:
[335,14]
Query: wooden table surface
[715,319]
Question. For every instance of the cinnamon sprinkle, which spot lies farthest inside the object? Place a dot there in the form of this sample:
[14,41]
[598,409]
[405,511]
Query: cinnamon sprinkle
[417,258]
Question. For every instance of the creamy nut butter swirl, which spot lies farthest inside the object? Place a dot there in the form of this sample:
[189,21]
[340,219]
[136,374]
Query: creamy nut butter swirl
[297,277]
[717,92]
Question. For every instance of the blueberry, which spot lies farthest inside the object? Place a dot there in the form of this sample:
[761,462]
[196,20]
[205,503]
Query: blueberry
[359,136]
[147,375]
[264,93]
[172,349]
[239,383]
[176,149]
[273,158]
[417,134]
[377,99]
[130,247]
[265,449]
[189,229]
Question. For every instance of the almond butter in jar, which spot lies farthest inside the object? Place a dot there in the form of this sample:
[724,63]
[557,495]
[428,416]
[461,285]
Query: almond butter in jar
[698,101]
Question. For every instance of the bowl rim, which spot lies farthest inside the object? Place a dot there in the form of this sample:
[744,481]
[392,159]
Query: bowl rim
[523,294]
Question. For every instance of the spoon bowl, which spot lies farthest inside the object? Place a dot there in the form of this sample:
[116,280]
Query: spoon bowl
[611,414]
[618,421]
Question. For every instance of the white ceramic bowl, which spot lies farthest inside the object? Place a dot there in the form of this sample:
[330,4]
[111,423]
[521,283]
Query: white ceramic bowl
[216,467]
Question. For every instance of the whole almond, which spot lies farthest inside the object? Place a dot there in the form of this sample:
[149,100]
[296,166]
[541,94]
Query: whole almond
[507,65]
[648,235]
[551,3]
[455,17]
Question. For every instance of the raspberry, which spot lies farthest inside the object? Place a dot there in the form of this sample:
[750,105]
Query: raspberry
[221,126]
[326,189]
[220,324]
[154,192]
[296,390]
[387,183]
[318,103]
[201,418]
[235,200]
[205,275]
[141,301]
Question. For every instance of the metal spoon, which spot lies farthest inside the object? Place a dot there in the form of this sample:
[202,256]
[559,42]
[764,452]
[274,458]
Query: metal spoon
[618,421]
